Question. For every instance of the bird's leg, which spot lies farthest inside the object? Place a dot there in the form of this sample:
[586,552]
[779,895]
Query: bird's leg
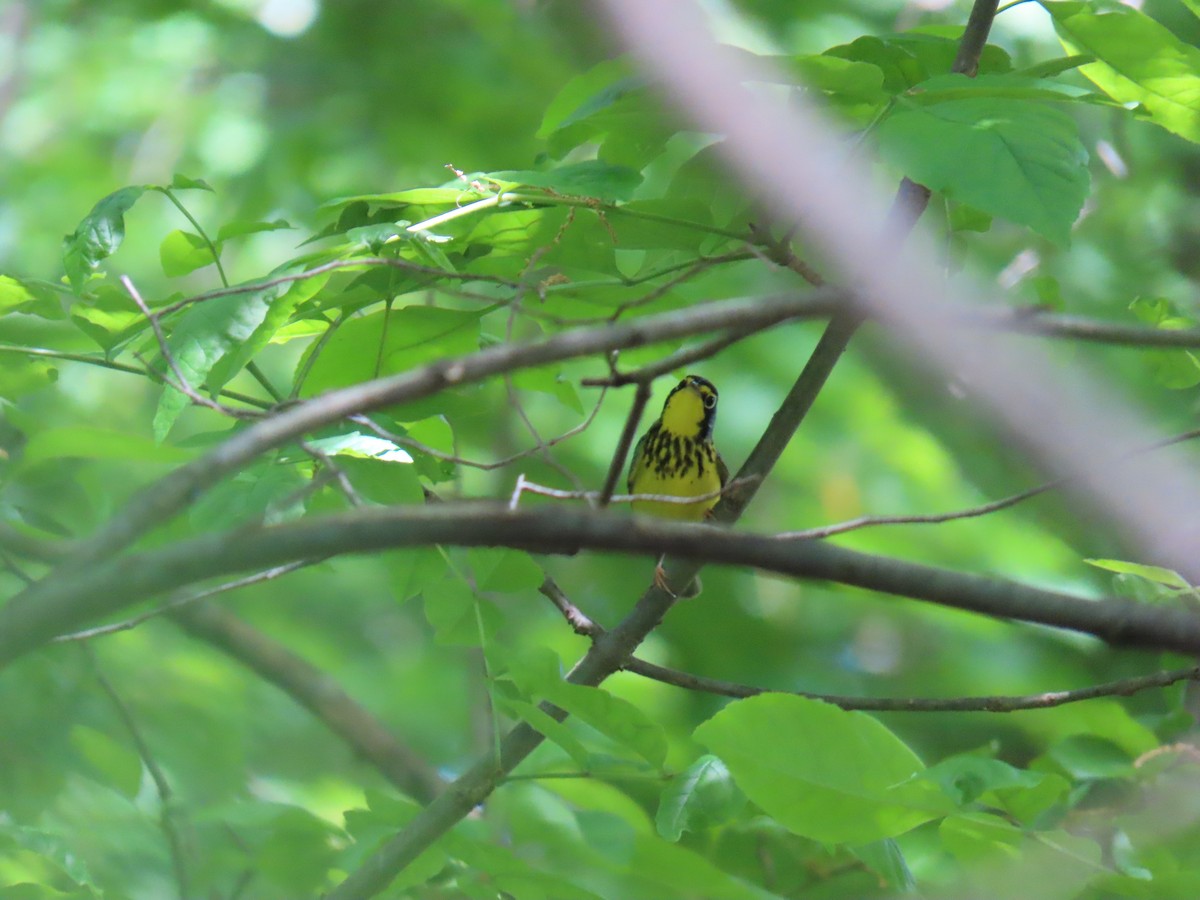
[660,578]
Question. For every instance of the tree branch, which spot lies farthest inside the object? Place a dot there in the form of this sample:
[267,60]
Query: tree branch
[316,692]
[79,597]
[1000,704]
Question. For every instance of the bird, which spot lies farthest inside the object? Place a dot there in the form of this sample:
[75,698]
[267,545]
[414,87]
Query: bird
[676,457]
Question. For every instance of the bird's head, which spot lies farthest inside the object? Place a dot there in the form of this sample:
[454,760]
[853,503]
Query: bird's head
[691,408]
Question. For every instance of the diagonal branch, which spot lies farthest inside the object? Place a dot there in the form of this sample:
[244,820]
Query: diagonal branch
[314,690]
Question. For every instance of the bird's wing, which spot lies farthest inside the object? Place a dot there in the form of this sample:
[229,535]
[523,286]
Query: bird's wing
[722,470]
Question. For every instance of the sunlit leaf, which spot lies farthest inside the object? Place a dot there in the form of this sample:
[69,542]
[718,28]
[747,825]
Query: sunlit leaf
[1138,61]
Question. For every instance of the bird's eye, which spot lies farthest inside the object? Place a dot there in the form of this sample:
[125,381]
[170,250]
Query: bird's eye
[710,401]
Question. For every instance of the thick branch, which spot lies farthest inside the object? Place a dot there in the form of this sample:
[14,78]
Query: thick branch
[76,599]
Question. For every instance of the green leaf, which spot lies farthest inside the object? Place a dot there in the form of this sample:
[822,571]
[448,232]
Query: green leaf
[91,442]
[182,252]
[886,859]
[384,343]
[205,333]
[361,446]
[977,838]
[823,773]
[111,763]
[966,778]
[591,178]
[594,90]
[19,296]
[183,183]
[545,724]
[99,234]
[297,853]
[617,719]
[279,310]
[503,570]
[1011,158]
[539,673]
[1137,61]
[611,107]
[266,492]
[386,482]
[908,59]
[1156,574]
[450,607]
[701,796]
[238,228]
[49,848]
[1086,757]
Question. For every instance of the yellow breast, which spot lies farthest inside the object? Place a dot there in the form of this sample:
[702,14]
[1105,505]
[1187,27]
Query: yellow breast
[675,467]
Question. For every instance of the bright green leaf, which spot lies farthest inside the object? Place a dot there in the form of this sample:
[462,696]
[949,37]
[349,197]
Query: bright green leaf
[545,724]
[182,252]
[886,859]
[822,772]
[1157,574]
[1137,61]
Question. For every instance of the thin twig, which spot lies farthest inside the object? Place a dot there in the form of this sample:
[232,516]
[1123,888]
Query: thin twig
[405,441]
[971,512]
[997,704]
[189,597]
[181,383]
[115,366]
[363,262]
[640,397]
[576,618]
[336,473]
[167,811]
[583,625]
[524,485]
[679,359]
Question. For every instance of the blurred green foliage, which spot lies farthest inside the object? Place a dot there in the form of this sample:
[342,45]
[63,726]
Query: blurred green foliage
[327,145]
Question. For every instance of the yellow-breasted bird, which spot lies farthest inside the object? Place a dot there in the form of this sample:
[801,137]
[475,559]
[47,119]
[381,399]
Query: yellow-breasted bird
[676,457]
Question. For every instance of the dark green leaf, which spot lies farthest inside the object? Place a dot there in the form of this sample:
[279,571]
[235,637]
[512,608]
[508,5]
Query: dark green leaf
[701,796]
[99,234]
[1007,157]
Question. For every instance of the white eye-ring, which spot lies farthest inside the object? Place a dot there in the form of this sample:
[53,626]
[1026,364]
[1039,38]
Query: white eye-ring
[710,401]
